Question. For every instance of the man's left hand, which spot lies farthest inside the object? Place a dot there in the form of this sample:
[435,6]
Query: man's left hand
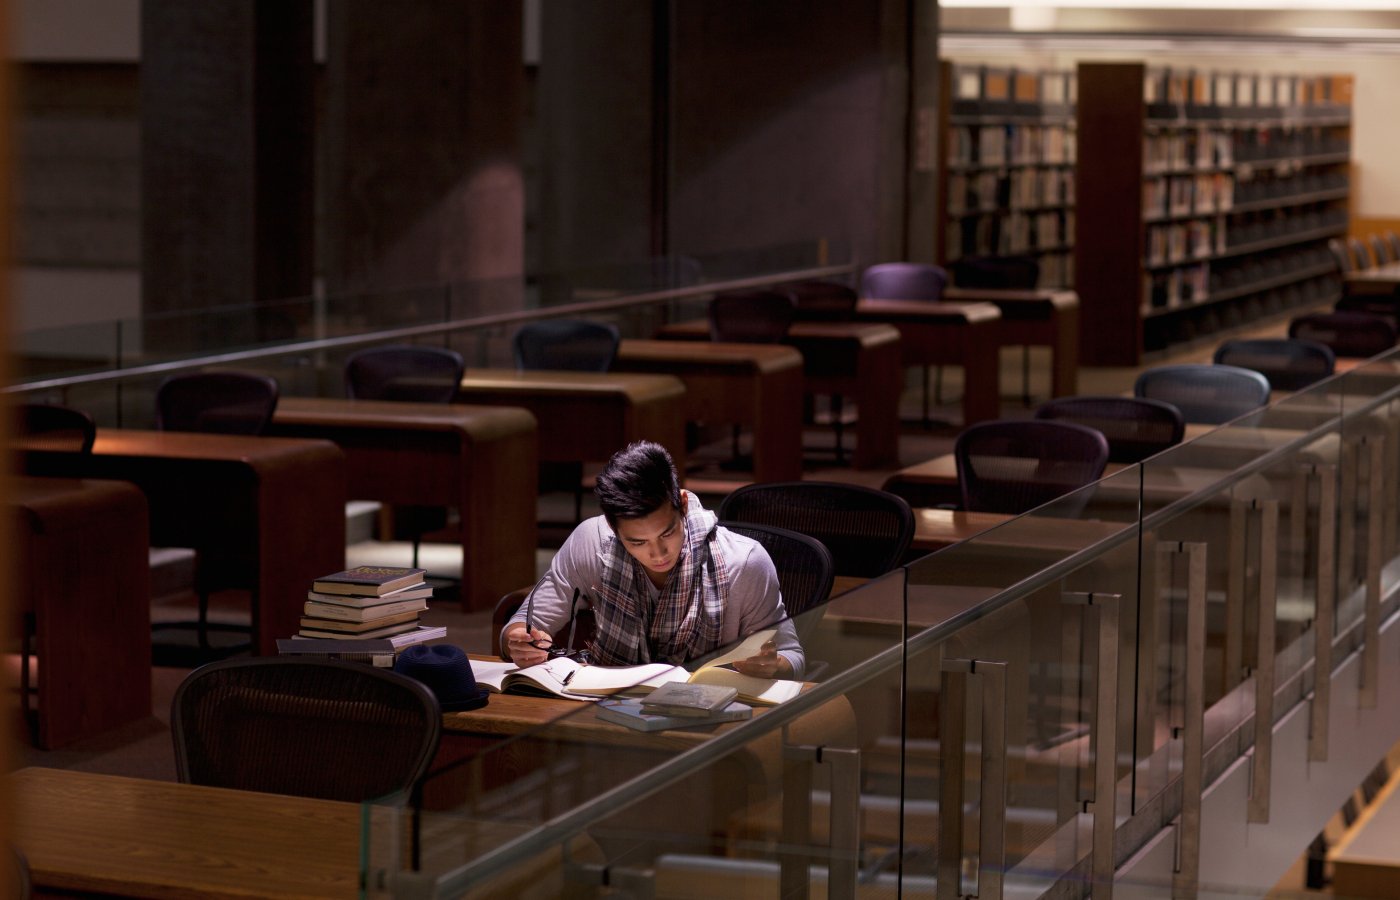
[767,664]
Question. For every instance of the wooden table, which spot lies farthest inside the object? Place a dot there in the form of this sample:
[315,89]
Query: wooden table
[860,361]
[1375,280]
[1038,318]
[80,550]
[959,334]
[266,512]
[480,459]
[755,385]
[588,416]
[84,832]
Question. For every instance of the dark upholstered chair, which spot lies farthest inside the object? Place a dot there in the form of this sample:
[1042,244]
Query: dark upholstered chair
[216,402]
[43,426]
[404,372]
[903,281]
[1001,273]
[823,301]
[1393,240]
[1360,253]
[751,317]
[221,403]
[1380,249]
[1207,394]
[1014,465]
[407,373]
[805,568]
[1341,255]
[1355,334]
[580,345]
[1135,427]
[574,636]
[313,728]
[867,531]
[1290,364]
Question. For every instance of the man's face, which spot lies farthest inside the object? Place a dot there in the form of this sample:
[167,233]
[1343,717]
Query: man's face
[655,540]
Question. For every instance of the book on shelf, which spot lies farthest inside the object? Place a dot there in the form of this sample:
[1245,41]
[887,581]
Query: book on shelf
[563,677]
[377,631]
[341,612]
[630,712]
[420,591]
[681,698]
[344,627]
[376,652]
[370,581]
[405,638]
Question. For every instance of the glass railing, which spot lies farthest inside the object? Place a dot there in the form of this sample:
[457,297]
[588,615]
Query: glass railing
[1069,683]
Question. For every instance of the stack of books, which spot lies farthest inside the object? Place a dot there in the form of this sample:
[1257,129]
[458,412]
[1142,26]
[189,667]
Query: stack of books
[369,602]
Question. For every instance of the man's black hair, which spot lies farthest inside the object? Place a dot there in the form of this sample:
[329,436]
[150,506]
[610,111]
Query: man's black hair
[637,481]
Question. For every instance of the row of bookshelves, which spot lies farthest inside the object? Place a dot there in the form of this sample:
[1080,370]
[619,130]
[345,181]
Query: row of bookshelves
[1218,237]
[1201,322]
[1176,197]
[1012,233]
[1195,148]
[1011,144]
[1022,189]
[1205,282]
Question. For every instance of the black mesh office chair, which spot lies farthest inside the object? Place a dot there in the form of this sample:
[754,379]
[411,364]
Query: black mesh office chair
[404,372]
[867,531]
[222,403]
[313,728]
[1360,254]
[1208,394]
[1135,427]
[1354,334]
[805,568]
[408,373]
[1380,249]
[43,426]
[579,345]
[216,402]
[751,317]
[1014,465]
[1290,364]
[1341,255]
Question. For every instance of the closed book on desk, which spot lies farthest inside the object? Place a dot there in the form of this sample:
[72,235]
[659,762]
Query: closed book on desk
[681,698]
[343,627]
[370,581]
[418,591]
[383,631]
[377,652]
[377,612]
[629,712]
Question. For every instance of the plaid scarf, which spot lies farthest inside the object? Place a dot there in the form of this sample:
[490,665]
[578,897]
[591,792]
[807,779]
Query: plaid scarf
[688,614]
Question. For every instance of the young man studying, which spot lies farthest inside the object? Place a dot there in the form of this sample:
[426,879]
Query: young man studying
[667,584]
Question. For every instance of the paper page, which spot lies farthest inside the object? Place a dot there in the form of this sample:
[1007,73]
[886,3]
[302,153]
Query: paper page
[755,690]
[490,672]
[613,679]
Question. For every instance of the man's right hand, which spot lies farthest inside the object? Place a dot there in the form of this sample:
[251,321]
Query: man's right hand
[527,647]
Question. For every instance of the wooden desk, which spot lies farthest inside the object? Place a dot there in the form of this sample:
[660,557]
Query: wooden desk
[958,334]
[756,385]
[853,359]
[480,459]
[266,511]
[1376,280]
[80,549]
[935,529]
[588,416]
[1366,864]
[1039,318]
[83,832]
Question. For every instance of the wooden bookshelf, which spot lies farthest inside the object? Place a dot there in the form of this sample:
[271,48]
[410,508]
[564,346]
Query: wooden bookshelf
[1206,201]
[1008,171]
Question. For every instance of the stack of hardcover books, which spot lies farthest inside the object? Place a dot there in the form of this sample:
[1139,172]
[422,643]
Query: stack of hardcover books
[369,602]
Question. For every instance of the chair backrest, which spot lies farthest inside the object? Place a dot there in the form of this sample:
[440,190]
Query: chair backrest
[1380,249]
[1341,255]
[1290,364]
[1135,427]
[903,281]
[805,568]
[1357,334]
[581,345]
[823,301]
[1393,240]
[404,372]
[1015,465]
[43,426]
[581,630]
[1207,394]
[751,317]
[867,531]
[314,728]
[997,272]
[1359,253]
[218,402]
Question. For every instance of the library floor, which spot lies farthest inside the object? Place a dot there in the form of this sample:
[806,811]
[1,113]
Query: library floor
[144,748]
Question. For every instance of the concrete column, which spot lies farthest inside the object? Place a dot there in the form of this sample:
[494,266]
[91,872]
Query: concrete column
[226,165]
[425,105]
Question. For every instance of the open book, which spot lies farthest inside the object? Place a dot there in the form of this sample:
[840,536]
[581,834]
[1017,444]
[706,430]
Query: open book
[562,677]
